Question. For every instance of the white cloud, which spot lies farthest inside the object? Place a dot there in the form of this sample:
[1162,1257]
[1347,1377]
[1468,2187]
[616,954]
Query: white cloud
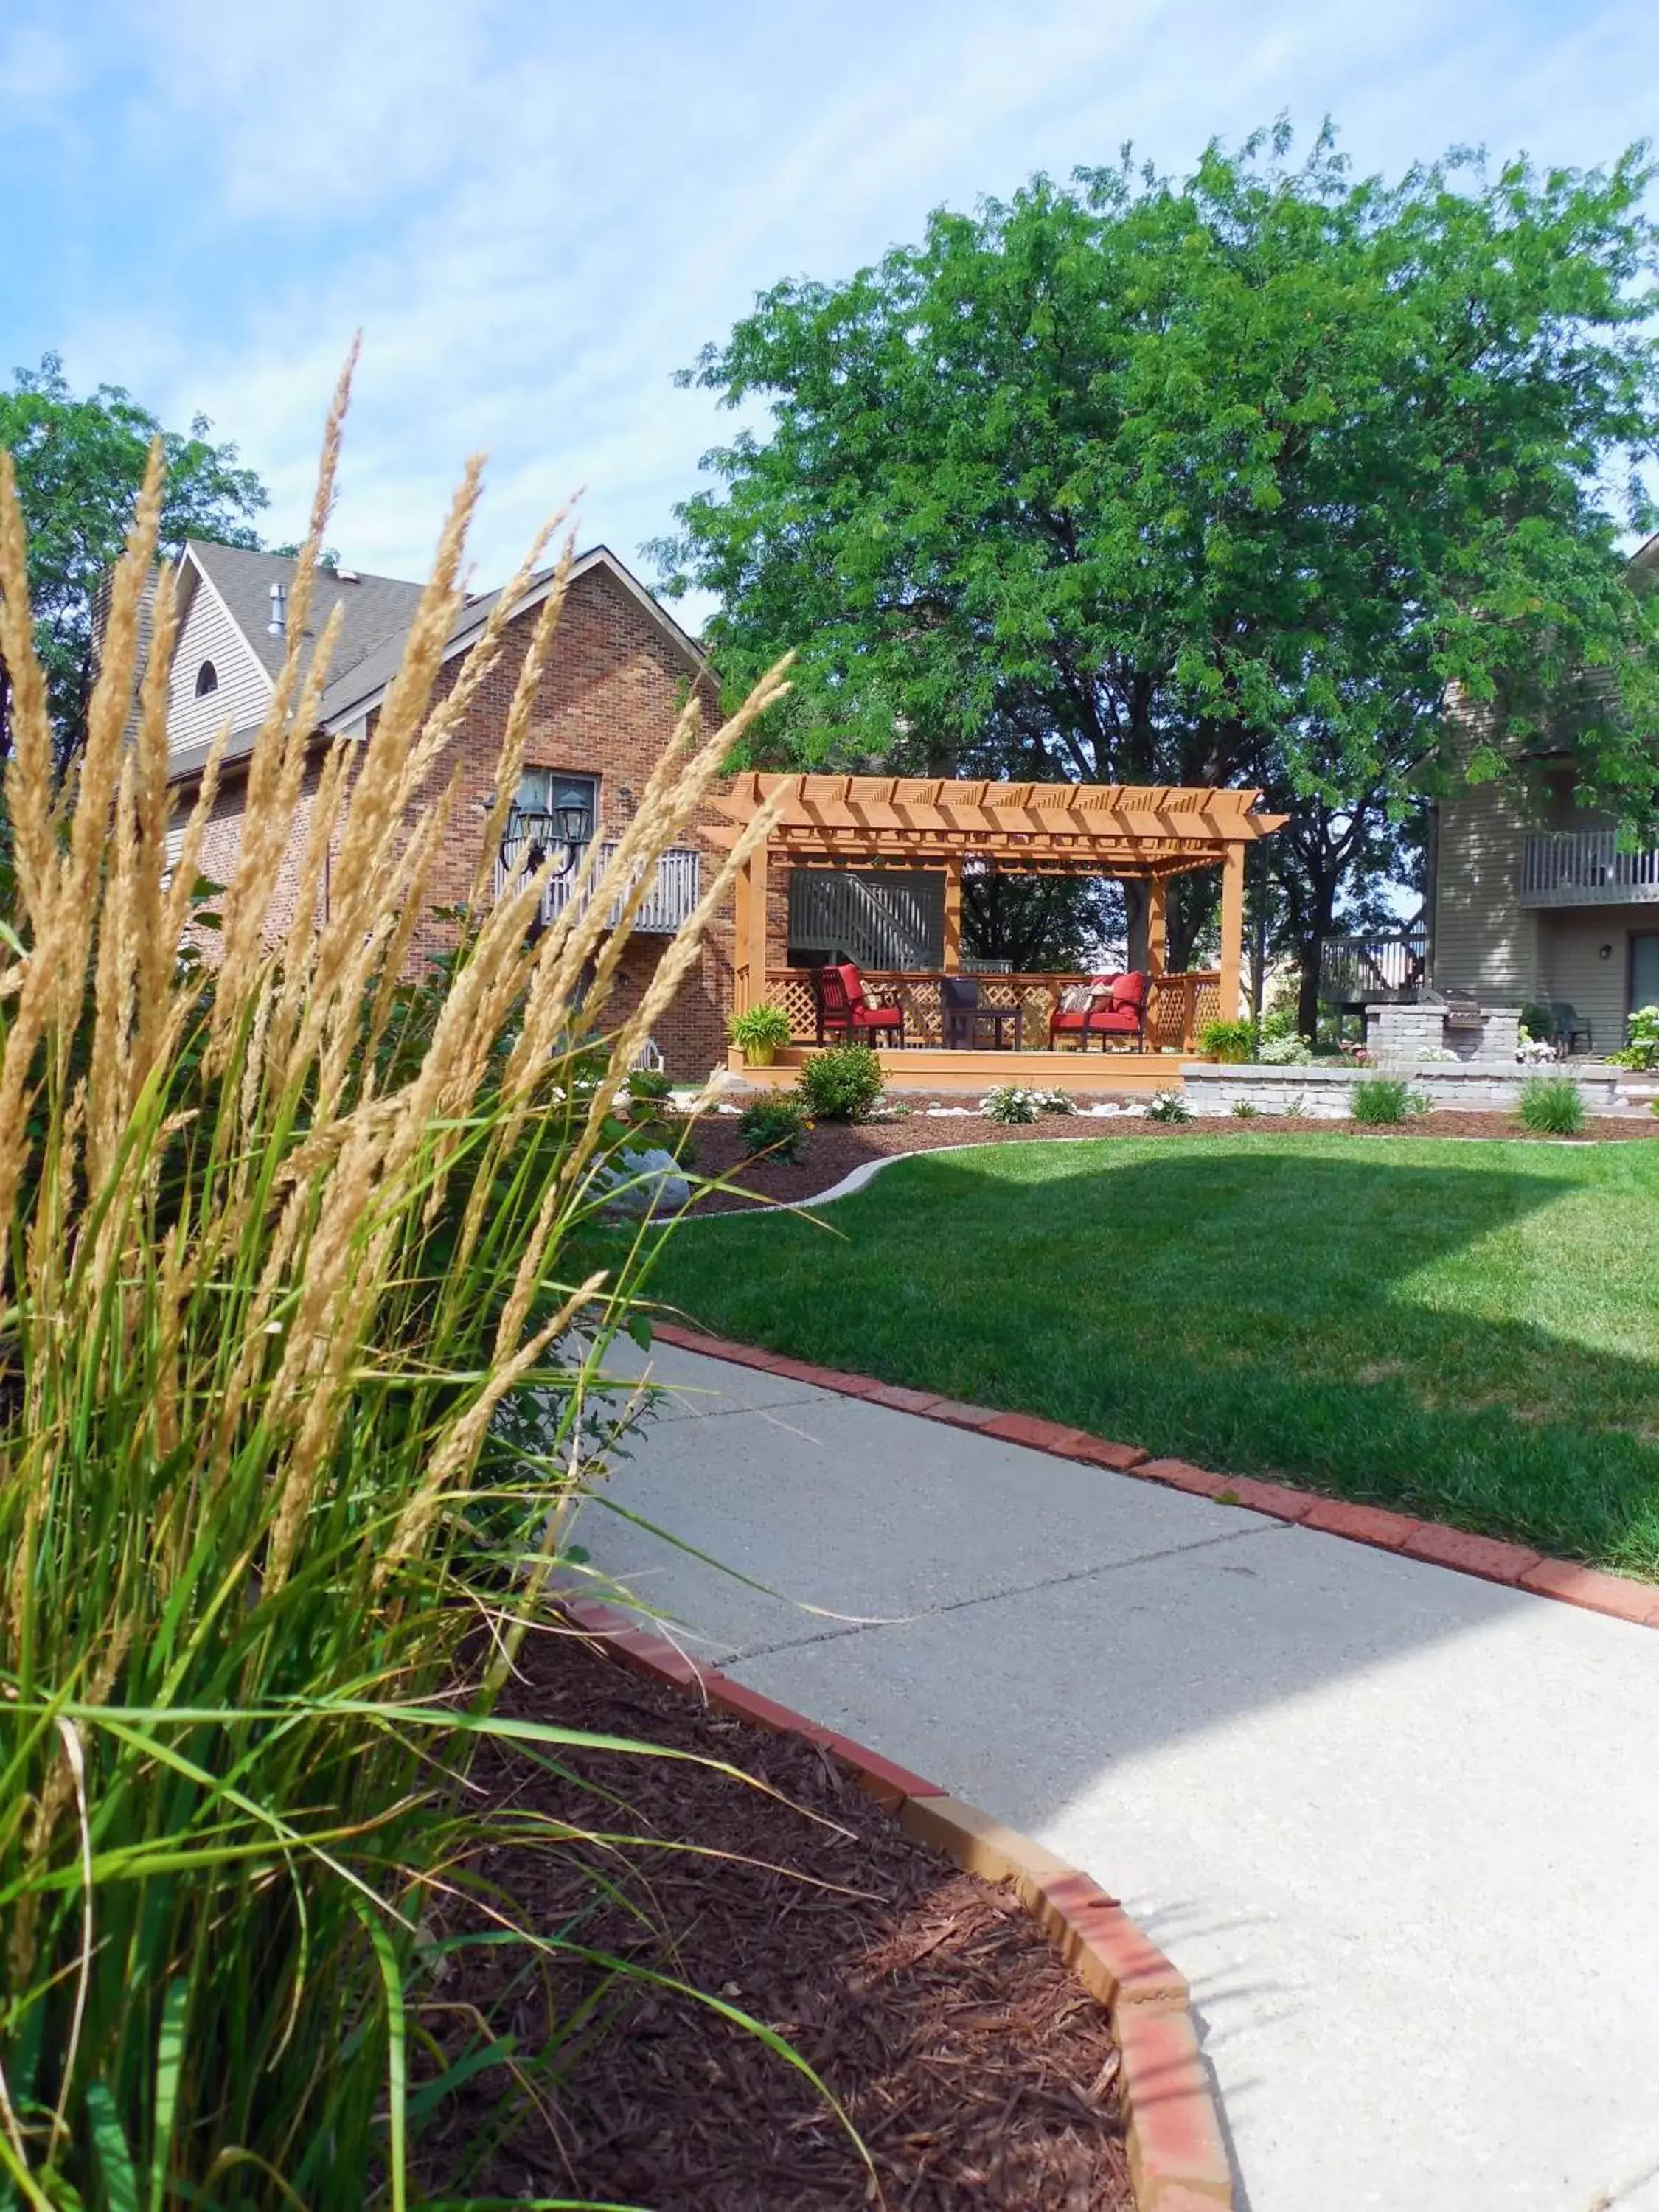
[537,217]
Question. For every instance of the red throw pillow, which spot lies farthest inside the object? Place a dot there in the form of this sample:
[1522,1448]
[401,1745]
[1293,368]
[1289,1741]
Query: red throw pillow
[1129,990]
[852,983]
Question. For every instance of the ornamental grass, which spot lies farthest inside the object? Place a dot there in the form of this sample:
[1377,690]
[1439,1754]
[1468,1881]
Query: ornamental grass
[305,1276]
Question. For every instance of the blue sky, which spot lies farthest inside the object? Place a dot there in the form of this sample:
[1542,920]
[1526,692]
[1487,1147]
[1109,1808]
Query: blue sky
[537,215]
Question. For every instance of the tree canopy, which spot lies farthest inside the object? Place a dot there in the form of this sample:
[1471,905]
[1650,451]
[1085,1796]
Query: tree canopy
[79,463]
[1241,478]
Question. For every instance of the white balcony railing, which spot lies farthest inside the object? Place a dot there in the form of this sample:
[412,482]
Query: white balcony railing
[1584,867]
[668,904]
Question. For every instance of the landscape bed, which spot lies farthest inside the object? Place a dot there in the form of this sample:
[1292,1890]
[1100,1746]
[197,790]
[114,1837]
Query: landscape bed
[1468,1333]
[977,2071]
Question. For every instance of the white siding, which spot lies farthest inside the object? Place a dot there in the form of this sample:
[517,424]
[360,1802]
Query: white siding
[209,634]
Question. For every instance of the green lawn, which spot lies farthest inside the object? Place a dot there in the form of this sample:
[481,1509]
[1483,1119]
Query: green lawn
[1469,1332]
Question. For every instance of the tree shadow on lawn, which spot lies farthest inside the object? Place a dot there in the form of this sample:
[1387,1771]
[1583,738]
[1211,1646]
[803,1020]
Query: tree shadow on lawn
[1406,1331]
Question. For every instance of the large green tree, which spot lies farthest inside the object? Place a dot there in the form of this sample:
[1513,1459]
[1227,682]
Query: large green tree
[79,463]
[1239,478]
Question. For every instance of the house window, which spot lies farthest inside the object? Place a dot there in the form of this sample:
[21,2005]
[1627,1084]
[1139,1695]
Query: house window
[558,798]
[207,679]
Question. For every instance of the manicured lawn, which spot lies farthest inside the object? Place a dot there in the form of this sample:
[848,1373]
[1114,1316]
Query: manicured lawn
[1465,1331]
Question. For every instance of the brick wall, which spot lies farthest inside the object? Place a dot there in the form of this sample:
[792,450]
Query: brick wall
[609,696]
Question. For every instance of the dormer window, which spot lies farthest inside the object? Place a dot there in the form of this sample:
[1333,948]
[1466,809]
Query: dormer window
[207,679]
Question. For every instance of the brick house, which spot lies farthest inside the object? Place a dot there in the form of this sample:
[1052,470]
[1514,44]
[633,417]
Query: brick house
[618,675]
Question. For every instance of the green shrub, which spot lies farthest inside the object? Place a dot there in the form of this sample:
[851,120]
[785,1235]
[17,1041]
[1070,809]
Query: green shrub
[1552,1106]
[1244,1110]
[1018,1102]
[775,1125]
[1641,1046]
[1231,1042]
[760,1033]
[1168,1106]
[650,1083]
[1537,1023]
[842,1083]
[1289,1048]
[1010,1103]
[1384,1100]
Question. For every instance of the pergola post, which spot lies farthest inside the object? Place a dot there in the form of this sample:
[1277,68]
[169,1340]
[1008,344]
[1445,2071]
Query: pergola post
[1232,929]
[756,919]
[741,998]
[952,954]
[1157,926]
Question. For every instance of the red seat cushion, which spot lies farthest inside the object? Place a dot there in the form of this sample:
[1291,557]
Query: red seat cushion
[876,1017]
[1115,1021]
[1068,1021]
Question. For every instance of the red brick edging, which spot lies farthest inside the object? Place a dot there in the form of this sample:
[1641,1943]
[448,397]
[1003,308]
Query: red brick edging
[1487,1557]
[1178,2160]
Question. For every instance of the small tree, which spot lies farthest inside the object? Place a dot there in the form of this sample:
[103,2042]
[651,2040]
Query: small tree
[80,464]
[1231,480]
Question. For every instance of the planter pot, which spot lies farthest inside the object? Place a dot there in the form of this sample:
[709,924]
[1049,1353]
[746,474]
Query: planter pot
[759,1055]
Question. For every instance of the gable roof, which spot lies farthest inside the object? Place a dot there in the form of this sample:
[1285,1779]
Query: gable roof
[357,689]
[373,608]
[377,612]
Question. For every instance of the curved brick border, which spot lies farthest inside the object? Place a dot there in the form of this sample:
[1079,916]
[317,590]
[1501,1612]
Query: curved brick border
[1489,1557]
[1177,2160]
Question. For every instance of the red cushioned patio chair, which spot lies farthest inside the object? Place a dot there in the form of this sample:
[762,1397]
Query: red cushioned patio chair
[1118,1012]
[845,1014]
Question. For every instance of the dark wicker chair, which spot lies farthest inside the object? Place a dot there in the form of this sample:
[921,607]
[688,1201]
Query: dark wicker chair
[845,1016]
[1568,1025]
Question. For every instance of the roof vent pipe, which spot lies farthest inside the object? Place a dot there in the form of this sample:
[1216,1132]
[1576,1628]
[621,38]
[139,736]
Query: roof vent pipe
[278,623]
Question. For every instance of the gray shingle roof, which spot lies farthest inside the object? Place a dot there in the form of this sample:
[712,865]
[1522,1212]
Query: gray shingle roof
[374,608]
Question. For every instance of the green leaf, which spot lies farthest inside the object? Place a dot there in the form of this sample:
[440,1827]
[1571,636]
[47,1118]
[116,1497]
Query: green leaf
[169,2066]
[114,2159]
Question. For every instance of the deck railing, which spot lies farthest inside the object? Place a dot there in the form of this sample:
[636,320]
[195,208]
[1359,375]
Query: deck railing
[667,906]
[1176,1009]
[1584,867]
[1360,971]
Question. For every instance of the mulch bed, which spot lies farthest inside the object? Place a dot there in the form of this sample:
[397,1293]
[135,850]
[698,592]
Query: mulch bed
[977,2071]
[833,1149]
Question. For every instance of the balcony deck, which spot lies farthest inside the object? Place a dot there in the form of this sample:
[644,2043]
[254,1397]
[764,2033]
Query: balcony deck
[1584,867]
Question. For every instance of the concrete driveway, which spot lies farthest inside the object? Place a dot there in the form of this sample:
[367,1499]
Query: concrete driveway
[1400,1828]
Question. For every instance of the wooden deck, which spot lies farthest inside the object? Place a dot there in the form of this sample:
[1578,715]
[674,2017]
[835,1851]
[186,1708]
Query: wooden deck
[931,1069]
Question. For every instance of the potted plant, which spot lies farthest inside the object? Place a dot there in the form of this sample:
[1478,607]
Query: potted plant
[760,1033]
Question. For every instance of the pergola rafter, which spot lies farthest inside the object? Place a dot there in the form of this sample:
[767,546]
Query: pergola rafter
[1138,832]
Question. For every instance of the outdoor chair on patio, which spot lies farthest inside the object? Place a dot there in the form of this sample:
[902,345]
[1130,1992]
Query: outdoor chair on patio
[845,1016]
[1104,1006]
[1569,1028]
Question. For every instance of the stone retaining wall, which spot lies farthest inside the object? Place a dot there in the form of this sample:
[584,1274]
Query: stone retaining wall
[1324,1091]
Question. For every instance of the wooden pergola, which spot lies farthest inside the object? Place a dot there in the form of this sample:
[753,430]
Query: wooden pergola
[1133,833]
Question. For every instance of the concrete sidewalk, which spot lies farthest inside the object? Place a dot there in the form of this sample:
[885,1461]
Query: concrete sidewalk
[1400,1828]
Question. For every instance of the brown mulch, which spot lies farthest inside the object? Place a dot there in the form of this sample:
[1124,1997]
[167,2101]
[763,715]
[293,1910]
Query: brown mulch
[833,1149]
[977,2070]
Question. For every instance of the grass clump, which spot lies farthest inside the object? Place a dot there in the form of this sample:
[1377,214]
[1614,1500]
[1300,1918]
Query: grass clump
[842,1083]
[1552,1106]
[1384,1102]
[305,1276]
